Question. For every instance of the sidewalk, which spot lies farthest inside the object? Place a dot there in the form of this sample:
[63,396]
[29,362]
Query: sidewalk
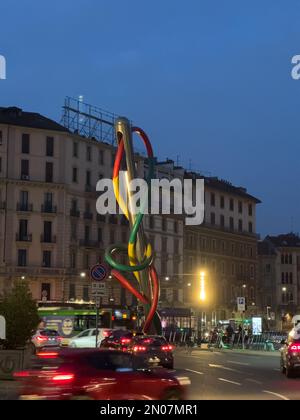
[249,352]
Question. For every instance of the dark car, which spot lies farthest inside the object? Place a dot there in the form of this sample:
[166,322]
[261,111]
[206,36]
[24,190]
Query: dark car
[97,375]
[117,340]
[290,357]
[153,349]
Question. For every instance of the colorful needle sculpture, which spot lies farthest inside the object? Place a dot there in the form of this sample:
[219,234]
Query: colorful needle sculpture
[148,295]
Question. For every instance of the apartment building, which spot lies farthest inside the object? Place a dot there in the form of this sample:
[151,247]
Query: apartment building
[279,273]
[224,248]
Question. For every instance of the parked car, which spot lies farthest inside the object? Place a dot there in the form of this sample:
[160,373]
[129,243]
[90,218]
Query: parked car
[98,375]
[290,357]
[45,338]
[153,349]
[117,340]
[87,338]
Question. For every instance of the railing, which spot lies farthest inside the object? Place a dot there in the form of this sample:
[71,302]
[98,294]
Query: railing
[24,207]
[88,243]
[49,239]
[74,213]
[88,215]
[48,208]
[23,238]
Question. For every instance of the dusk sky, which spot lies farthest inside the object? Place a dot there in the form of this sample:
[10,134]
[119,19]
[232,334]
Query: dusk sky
[210,81]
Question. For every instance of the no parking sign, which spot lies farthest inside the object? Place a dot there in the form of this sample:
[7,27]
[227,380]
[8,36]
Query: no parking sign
[99,272]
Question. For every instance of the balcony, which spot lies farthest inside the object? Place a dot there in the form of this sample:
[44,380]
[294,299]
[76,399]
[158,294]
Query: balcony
[48,239]
[101,218]
[23,238]
[88,215]
[48,208]
[89,188]
[74,213]
[25,207]
[88,243]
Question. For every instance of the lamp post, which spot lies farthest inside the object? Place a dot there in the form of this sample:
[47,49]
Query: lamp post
[202,297]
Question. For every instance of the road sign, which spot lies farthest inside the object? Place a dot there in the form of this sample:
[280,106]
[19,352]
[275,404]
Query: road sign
[99,272]
[241,304]
[98,289]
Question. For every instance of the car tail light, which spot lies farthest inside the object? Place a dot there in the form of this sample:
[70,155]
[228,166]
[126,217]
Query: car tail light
[294,348]
[139,348]
[125,341]
[167,348]
[106,333]
[21,374]
[63,378]
[41,338]
[47,355]
[59,338]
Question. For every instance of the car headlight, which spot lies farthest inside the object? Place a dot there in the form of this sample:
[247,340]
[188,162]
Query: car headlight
[183,380]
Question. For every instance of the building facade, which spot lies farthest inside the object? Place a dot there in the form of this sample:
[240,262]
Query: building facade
[279,272]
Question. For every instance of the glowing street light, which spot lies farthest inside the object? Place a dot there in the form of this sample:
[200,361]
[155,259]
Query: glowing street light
[202,286]
[82,275]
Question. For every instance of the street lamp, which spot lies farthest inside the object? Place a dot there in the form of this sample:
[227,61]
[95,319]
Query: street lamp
[82,275]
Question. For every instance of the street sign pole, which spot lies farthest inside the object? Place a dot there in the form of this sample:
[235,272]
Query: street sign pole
[243,331]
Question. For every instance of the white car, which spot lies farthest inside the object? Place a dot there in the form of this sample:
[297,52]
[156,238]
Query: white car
[87,338]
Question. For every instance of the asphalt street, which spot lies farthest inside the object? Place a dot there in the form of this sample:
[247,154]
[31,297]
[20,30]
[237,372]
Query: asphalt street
[229,375]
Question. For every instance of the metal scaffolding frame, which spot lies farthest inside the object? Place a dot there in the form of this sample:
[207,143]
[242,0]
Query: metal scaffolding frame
[88,121]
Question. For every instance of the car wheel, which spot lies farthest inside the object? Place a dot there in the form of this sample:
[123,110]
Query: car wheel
[289,372]
[172,395]
[282,368]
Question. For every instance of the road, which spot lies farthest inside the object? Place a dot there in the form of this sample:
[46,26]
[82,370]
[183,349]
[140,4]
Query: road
[227,375]
[223,375]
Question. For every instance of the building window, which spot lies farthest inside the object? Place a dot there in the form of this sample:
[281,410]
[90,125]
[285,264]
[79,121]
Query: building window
[214,244]
[175,226]
[251,251]
[222,202]
[222,220]
[1,138]
[24,200]
[99,235]
[73,259]
[250,210]
[75,149]
[72,291]
[22,257]
[124,235]
[101,157]
[73,231]
[86,261]
[291,278]
[250,227]
[86,233]
[213,218]
[290,259]
[282,278]
[223,267]
[112,236]
[212,199]
[268,268]
[25,143]
[164,224]
[233,269]
[46,258]
[240,225]
[88,153]
[223,246]
[85,296]
[23,225]
[231,204]
[49,172]
[231,223]
[251,271]
[49,146]
[282,259]
[151,222]
[286,259]
[24,169]
[48,231]
[240,207]
[176,246]
[75,175]
[88,178]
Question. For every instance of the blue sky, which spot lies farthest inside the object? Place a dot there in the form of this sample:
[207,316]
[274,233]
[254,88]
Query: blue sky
[208,80]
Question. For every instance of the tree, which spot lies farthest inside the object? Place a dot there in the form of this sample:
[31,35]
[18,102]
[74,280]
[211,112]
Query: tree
[21,314]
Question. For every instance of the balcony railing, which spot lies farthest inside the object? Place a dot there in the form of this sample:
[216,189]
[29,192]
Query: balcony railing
[88,215]
[74,213]
[23,238]
[24,207]
[48,239]
[101,218]
[48,208]
[88,243]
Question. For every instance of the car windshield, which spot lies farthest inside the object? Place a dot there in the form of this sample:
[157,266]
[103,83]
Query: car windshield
[49,333]
[120,334]
[151,341]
